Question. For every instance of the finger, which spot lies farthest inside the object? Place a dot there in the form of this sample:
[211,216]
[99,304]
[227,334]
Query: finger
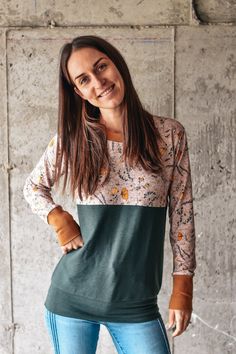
[171,319]
[64,250]
[67,248]
[77,242]
[177,331]
[186,322]
[73,244]
[179,325]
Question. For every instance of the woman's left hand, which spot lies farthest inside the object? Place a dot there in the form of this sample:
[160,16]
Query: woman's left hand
[179,318]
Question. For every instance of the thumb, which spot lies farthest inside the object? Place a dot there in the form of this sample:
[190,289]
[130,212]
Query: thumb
[171,319]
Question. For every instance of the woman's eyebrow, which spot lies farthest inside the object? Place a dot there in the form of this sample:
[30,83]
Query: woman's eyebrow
[93,67]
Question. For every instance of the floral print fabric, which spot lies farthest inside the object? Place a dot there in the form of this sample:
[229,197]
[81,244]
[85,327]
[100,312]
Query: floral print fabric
[135,186]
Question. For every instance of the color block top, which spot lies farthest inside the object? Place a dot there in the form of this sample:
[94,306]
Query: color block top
[117,274]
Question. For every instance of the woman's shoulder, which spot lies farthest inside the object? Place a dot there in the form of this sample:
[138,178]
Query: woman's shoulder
[170,131]
[168,124]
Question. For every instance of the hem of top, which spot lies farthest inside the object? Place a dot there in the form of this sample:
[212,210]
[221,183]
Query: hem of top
[69,305]
[103,319]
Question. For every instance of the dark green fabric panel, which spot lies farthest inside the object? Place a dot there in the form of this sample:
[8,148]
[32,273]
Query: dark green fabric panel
[122,256]
[68,305]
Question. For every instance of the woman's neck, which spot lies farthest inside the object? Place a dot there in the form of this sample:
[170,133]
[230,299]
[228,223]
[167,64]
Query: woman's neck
[113,121]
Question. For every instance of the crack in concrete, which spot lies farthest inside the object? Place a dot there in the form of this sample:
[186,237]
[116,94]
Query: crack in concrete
[8,188]
[195,317]
[194,13]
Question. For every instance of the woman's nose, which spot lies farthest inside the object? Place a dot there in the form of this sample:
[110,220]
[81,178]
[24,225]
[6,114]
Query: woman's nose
[98,81]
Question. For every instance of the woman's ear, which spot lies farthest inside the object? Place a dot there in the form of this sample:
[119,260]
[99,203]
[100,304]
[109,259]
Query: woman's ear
[78,92]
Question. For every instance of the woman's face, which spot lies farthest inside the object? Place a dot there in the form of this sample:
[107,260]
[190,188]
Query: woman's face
[96,78]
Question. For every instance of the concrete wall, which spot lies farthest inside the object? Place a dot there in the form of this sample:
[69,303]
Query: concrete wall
[182,58]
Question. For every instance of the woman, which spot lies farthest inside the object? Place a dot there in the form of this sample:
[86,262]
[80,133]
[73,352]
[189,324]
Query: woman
[124,167]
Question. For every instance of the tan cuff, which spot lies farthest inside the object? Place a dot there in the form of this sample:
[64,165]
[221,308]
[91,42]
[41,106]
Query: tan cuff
[64,225]
[182,293]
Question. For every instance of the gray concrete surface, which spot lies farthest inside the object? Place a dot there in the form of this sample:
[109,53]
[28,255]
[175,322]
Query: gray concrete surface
[79,12]
[205,103]
[216,11]
[6,324]
[185,70]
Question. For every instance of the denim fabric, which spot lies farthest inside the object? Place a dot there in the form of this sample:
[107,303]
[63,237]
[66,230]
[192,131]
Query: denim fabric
[78,336]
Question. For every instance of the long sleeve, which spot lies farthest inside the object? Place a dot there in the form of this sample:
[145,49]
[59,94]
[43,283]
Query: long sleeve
[182,226]
[38,185]
[37,192]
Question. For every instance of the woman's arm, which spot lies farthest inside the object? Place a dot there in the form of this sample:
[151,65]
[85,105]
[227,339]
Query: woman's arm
[182,233]
[38,185]
[37,192]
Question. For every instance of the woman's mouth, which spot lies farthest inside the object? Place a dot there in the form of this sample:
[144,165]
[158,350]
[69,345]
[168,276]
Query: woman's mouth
[107,91]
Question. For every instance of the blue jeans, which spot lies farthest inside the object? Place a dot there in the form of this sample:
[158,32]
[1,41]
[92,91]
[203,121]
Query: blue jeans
[78,336]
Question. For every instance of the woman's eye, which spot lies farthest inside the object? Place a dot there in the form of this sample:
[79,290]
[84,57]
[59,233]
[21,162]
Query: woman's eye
[102,66]
[85,79]
[82,80]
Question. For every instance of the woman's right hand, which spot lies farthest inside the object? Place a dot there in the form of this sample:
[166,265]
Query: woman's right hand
[76,243]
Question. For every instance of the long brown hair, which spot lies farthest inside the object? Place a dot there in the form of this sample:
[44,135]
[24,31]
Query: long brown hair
[82,145]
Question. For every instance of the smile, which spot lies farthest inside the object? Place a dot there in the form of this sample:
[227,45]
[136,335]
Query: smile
[107,91]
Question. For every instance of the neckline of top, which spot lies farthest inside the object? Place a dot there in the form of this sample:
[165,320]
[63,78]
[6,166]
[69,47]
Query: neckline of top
[112,136]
